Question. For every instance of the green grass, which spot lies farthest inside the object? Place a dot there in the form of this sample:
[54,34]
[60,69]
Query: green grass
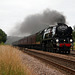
[74,43]
[1,43]
[74,46]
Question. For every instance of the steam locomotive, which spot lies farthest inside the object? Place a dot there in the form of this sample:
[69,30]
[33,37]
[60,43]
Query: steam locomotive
[55,38]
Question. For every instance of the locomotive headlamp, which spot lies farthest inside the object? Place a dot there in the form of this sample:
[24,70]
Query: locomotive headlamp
[57,40]
[64,40]
[71,40]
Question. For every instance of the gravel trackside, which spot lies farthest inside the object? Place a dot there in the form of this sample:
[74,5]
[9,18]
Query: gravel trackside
[37,67]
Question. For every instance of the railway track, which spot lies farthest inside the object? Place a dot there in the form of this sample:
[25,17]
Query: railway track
[72,53]
[66,65]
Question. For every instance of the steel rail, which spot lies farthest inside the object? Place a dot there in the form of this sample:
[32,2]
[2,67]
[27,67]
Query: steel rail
[45,58]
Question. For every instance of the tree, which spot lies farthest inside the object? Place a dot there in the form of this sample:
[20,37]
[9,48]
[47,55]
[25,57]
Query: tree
[73,34]
[74,27]
[3,36]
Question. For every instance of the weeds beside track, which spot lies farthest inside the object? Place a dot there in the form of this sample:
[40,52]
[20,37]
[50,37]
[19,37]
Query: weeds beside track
[10,61]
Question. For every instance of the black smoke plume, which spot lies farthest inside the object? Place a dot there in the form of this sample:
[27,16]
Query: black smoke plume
[37,22]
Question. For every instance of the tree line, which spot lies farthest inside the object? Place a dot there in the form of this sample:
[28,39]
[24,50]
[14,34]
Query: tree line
[3,36]
[73,33]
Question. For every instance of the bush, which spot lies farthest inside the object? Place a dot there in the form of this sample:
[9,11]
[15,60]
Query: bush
[73,34]
[3,36]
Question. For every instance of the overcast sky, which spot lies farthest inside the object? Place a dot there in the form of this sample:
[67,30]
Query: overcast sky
[13,12]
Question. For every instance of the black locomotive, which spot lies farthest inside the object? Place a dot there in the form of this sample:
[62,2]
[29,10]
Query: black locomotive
[58,38]
[55,38]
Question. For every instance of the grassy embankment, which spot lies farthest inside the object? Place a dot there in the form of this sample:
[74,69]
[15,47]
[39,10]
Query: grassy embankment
[11,62]
[74,46]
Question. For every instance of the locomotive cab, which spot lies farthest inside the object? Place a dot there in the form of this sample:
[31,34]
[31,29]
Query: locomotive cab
[49,32]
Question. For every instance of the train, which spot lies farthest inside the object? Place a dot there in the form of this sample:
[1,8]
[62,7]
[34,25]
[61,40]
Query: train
[55,38]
